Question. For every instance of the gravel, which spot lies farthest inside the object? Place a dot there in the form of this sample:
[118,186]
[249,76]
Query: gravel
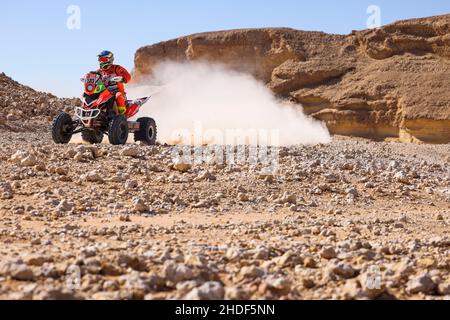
[350,220]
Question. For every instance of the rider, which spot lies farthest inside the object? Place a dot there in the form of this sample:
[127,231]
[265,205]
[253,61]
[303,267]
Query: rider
[111,70]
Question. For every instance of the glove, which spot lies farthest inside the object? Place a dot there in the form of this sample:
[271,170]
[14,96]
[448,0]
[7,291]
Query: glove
[122,110]
[117,79]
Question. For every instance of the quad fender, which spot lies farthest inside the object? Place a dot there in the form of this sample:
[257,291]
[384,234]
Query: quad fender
[133,106]
[105,96]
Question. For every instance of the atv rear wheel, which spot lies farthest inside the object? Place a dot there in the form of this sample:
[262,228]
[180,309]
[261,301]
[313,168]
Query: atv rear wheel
[147,131]
[62,128]
[118,131]
[92,137]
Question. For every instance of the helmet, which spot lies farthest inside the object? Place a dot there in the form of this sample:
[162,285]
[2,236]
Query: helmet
[106,59]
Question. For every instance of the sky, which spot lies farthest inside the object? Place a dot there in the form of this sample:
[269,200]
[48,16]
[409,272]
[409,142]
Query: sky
[40,50]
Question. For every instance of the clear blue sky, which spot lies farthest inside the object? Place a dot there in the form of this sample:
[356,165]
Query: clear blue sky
[38,49]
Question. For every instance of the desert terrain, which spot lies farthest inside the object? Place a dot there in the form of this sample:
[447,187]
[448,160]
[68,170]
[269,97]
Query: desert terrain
[365,216]
[139,227]
[389,82]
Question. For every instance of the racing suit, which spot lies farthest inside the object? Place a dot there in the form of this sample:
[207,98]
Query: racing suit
[117,88]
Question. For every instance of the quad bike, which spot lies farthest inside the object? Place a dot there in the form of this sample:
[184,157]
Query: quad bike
[98,116]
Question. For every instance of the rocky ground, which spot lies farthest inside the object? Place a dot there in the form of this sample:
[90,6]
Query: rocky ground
[25,109]
[350,220]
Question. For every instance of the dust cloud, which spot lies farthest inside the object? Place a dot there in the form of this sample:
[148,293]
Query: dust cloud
[199,103]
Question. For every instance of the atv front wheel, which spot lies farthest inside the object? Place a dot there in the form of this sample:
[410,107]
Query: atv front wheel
[118,131]
[92,137]
[147,131]
[62,128]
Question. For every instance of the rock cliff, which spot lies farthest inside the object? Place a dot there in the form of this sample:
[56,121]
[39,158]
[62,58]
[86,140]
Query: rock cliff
[388,82]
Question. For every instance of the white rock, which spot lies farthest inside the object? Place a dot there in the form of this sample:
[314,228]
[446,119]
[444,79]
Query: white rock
[236,293]
[401,177]
[208,291]
[444,288]
[139,205]
[251,272]
[29,161]
[393,165]
[24,158]
[19,156]
[422,283]
[261,253]
[187,286]
[177,272]
[93,176]
[277,283]
[352,191]
[233,254]
[64,206]
[196,260]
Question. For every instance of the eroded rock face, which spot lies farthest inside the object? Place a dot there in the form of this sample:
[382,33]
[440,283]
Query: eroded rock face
[389,82]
